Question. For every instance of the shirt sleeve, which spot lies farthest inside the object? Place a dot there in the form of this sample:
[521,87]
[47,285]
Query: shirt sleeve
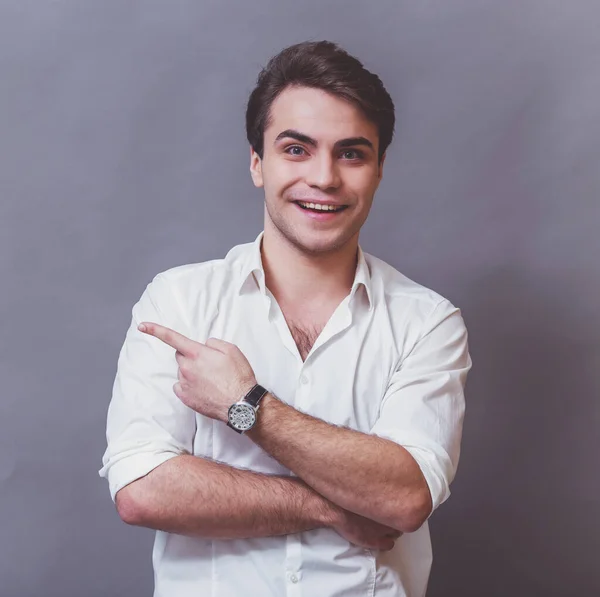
[146,423]
[424,404]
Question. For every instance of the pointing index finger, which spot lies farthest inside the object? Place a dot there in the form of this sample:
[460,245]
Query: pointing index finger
[178,341]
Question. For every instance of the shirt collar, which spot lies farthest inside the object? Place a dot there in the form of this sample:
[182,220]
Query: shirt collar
[253,265]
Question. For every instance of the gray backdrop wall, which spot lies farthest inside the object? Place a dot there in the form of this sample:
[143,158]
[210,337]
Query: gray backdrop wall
[122,153]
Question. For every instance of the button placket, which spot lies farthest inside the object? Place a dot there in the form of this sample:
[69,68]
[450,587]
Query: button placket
[293,565]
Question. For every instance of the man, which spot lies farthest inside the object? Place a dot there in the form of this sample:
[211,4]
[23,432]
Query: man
[287,418]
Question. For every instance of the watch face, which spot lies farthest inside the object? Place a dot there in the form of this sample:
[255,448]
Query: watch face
[242,416]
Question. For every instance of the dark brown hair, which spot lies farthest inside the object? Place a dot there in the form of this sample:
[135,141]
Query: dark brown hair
[321,65]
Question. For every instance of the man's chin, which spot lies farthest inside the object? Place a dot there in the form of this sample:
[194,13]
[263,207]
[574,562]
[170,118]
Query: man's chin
[311,241]
[319,243]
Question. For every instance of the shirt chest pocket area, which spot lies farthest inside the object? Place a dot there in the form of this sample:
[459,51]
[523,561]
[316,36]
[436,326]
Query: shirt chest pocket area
[352,403]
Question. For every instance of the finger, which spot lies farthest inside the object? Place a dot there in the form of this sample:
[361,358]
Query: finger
[178,341]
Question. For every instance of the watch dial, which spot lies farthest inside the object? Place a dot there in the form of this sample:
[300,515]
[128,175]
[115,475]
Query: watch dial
[242,416]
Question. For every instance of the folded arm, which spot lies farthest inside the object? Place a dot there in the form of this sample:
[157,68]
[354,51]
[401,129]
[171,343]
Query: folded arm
[393,479]
[373,477]
[195,496]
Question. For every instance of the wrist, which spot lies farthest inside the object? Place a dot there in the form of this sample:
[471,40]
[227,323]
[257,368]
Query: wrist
[263,416]
[243,390]
[243,395]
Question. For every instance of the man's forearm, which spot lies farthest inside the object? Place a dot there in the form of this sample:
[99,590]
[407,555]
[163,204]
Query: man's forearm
[362,473]
[194,496]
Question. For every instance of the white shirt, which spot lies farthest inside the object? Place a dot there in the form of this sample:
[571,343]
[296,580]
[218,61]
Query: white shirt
[391,361]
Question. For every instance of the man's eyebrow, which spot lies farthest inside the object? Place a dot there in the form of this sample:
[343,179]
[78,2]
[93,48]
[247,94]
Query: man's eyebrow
[292,134]
[350,142]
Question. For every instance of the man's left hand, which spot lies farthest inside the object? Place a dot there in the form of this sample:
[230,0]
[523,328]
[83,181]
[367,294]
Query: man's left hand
[212,376]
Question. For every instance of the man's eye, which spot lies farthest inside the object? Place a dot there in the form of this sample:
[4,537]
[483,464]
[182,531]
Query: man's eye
[354,154]
[291,149]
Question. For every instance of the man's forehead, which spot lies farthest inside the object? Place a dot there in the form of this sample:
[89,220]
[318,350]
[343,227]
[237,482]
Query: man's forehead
[318,114]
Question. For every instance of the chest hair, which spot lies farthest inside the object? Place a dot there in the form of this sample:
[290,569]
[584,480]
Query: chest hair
[304,335]
[307,325]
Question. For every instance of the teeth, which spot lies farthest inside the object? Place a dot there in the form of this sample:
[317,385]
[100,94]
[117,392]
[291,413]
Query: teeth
[319,207]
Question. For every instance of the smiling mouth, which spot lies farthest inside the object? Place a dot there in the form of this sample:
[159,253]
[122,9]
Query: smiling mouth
[307,206]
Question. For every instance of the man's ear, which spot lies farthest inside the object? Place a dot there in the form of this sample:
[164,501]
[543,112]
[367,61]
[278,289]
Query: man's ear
[256,168]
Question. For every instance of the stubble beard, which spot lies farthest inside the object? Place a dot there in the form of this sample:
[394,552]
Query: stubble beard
[290,235]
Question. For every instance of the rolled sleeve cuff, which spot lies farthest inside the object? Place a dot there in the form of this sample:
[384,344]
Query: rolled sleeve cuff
[131,468]
[438,489]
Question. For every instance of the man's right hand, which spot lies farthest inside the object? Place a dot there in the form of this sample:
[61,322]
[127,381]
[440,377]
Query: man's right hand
[364,532]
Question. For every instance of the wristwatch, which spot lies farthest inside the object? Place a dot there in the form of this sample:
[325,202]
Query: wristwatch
[242,414]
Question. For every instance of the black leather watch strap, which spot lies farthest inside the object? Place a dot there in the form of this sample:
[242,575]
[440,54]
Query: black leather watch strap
[255,395]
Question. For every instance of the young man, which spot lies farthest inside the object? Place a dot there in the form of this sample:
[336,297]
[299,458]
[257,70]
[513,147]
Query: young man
[287,418]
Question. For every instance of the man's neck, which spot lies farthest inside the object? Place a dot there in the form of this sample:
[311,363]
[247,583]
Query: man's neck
[298,280]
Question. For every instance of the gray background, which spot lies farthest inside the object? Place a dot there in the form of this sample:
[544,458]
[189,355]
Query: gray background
[122,153]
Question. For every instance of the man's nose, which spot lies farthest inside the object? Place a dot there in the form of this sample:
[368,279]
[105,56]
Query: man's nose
[323,173]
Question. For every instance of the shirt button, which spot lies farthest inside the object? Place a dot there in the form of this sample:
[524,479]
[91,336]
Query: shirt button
[294,578]
[304,380]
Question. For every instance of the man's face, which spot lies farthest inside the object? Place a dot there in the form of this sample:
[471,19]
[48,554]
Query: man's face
[317,147]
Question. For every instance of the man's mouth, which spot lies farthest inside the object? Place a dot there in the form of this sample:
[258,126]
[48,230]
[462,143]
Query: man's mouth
[319,208]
